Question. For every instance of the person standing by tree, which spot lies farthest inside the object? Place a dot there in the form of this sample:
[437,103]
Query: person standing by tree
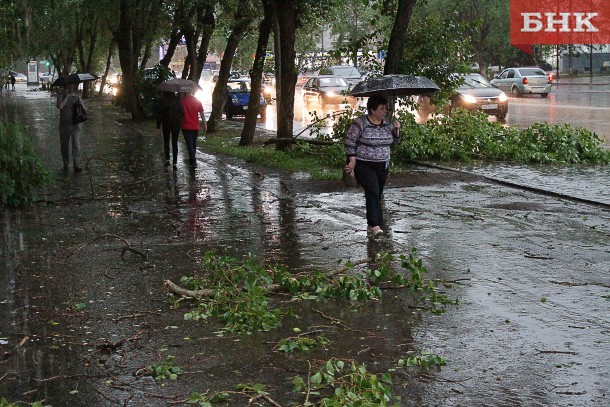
[169,119]
[367,147]
[68,131]
[193,110]
[13,80]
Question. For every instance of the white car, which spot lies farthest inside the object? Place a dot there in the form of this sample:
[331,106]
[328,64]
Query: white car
[521,81]
[47,77]
[19,77]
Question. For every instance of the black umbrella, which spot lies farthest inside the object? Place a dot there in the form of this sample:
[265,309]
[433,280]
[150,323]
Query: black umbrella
[74,78]
[395,85]
[178,85]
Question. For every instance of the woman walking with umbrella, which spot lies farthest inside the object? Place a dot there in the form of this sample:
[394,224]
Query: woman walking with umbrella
[68,130]
[367,147]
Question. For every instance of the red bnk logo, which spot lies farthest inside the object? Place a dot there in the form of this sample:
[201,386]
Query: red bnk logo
[559,22]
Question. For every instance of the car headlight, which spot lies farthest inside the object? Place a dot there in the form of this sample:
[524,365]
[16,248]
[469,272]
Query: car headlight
[469,99]
[502,97]
[330,94]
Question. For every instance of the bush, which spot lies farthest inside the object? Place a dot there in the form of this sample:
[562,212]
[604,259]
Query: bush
[467,136]
[21,172]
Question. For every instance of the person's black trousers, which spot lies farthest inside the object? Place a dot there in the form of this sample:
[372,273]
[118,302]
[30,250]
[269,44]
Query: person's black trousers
[372,176]
[175,134]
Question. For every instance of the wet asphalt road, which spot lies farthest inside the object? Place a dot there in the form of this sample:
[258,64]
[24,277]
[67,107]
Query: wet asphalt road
[532,274]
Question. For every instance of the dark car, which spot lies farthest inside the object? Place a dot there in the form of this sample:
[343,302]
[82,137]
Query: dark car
[238,98]
[476,93]
[350,73]
[327,89]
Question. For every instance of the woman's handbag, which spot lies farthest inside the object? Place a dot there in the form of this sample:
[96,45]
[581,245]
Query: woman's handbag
[79,114]
[349,179]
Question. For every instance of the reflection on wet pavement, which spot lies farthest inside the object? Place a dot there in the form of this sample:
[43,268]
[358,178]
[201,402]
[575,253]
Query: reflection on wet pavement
[79,316]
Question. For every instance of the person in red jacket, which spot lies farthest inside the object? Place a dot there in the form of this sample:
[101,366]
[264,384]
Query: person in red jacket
[191,124]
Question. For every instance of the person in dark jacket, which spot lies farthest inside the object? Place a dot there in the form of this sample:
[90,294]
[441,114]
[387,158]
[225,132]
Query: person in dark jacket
[367,147]
[169,120]
[68,130]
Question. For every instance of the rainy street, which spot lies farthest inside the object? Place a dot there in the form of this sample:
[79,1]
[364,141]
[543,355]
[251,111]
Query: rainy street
[574,101]
[524,250]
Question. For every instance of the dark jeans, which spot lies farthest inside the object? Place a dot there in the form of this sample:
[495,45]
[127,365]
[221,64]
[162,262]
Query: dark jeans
[175,134]
[190,137]
[372,177]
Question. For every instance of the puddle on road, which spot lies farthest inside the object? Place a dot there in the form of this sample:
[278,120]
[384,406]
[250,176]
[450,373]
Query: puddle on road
[530,272]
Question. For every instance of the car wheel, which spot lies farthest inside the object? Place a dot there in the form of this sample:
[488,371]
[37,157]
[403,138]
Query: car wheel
[501,117]
[543,95]
[229,115]
[516,92]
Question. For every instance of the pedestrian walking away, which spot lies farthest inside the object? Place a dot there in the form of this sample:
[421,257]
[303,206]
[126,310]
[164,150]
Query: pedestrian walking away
[68,130]
[367,147]
[13,80]
[193,111]
[169,119]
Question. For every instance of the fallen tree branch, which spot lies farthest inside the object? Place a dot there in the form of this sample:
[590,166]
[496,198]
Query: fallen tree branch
[126,248]
[570,284]
[204,293]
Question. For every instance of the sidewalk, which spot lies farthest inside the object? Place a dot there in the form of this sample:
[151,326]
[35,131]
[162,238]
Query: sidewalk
[531,273]
[600,83]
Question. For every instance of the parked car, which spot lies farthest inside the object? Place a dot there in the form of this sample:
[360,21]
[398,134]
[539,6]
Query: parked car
[327,90]
[476,93]
[520,81]
[19,77]
[351,74]
[47,77]
[238,97]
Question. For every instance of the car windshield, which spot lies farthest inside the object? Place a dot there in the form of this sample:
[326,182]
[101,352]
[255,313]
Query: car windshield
[531,71]
[238,86]
[324,82]
[475,82]
[346,71]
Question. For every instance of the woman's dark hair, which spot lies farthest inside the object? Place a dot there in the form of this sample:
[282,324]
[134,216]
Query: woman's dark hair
[374,102]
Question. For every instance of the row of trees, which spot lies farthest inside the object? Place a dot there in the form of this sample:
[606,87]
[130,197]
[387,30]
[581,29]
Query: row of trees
[428,37]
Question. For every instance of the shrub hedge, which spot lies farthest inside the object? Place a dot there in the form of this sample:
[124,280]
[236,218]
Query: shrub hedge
[21,172]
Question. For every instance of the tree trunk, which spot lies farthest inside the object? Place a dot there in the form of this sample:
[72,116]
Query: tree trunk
[128,63]
[219,95]
[256,76]
[145,56]
[208,23]
[171,48]
[107,68]
[398,36]
[287,20]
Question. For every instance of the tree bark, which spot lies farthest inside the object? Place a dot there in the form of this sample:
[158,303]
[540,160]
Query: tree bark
[107,67]
[219,95]
[207,25]
[287,21]
[123,37]
[256,75]
[171,48]
[398,36]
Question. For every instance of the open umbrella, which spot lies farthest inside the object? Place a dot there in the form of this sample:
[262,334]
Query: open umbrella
[179,85]
[395,85]
[74,78]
